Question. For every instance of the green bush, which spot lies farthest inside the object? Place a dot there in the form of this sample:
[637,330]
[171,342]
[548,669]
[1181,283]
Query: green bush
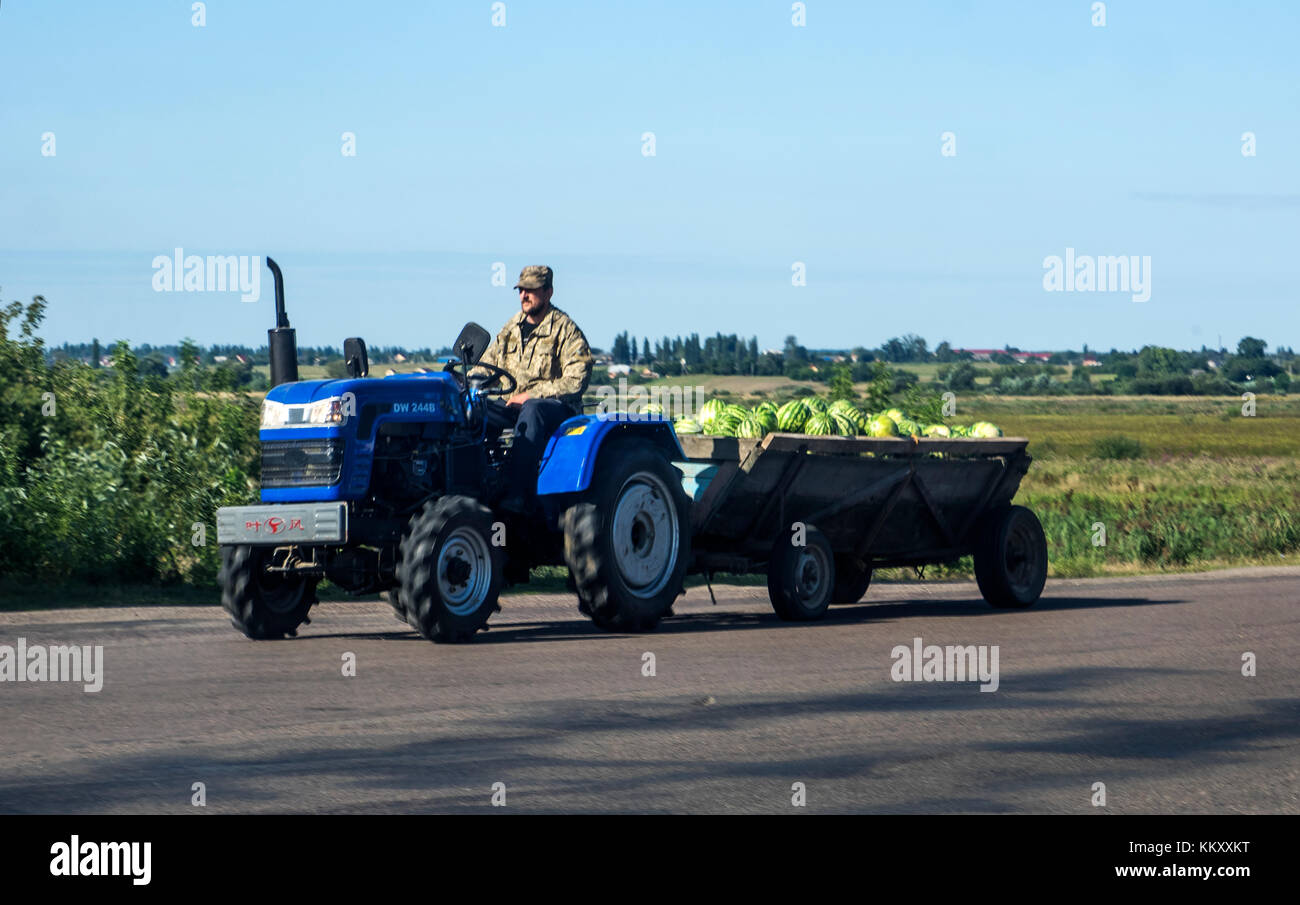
[105,474]
[1116,446]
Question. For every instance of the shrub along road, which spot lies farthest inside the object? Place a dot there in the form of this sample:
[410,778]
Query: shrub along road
[1132,682]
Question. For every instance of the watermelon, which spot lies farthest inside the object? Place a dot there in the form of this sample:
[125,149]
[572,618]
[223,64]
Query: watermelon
[750,427]
[985,429]
[852,413]
[728,420]
[790,417]
[687,426]
[652,408]
[731,414]
[909,428]
[816,404]
[767,418]
[882,426]
[710,411]
[936,430]
[843,424]
[896,415]
[819,424]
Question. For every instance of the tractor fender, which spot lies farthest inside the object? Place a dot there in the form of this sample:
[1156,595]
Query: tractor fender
[569,460]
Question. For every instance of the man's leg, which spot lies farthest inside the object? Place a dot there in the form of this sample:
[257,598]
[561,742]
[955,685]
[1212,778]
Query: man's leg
[538,419]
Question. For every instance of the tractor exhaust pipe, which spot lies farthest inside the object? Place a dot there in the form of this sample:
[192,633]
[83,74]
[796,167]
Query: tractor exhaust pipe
[281,341]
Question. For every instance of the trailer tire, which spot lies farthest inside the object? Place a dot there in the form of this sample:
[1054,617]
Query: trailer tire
[262,606]
[1011,558]
[851,583]
[627,542]
[449,572]
[801,580]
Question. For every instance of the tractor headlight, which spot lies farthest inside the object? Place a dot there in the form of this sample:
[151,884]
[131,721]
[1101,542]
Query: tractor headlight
[321,413]
[274,414]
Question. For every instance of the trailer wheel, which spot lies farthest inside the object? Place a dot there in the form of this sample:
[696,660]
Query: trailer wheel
[449,572]
[261,604]
[627,543]
[801,580]
[851,583]
[1011,559]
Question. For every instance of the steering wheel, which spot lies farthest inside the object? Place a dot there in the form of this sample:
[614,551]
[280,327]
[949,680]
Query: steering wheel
[486,386]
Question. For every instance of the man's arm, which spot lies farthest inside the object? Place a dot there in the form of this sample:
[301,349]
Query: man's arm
[575,368]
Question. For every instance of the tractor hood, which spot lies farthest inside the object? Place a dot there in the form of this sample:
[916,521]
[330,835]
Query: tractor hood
[436,386]
[354,406]
[318,436]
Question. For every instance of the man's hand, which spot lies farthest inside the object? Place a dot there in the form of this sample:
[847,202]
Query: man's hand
[518,399]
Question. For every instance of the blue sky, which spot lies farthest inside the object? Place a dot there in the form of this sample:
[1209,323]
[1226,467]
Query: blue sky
[774,144]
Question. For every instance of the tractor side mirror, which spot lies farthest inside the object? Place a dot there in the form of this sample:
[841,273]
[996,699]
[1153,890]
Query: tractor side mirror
[355,358]
[471,344]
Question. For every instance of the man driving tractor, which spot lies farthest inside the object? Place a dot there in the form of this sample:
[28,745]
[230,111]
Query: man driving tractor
[548,356]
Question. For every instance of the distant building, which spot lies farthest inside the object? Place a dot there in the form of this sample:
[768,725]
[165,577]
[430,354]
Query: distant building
[1091,363]
[987,354]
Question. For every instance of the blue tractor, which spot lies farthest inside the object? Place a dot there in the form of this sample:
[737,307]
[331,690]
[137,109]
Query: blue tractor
[392,484]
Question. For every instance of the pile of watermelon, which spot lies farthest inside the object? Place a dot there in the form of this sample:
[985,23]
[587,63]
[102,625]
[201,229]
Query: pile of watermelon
[818,417]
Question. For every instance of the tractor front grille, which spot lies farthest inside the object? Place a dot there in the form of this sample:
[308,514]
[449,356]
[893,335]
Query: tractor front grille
[301,463]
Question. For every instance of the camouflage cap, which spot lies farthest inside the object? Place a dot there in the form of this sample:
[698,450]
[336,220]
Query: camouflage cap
[535,276]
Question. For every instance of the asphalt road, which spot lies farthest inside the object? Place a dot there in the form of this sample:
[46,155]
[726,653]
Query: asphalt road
[1135,683]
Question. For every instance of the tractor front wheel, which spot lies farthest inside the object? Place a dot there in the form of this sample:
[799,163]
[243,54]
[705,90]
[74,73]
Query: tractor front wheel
[263,605]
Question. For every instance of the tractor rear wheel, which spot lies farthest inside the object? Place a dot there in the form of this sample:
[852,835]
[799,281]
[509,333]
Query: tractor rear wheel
[448,570]
[263,605]
[627,543]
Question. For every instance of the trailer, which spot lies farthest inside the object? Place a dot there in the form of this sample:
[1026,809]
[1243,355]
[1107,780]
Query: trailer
[818,514]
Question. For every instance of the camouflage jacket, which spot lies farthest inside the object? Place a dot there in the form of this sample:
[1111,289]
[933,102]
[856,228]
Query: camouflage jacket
[555,361]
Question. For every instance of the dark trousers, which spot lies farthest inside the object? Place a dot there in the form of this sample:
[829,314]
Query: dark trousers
[534,422]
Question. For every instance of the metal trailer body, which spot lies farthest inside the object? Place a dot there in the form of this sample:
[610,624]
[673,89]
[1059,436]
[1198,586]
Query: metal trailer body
[878,502]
